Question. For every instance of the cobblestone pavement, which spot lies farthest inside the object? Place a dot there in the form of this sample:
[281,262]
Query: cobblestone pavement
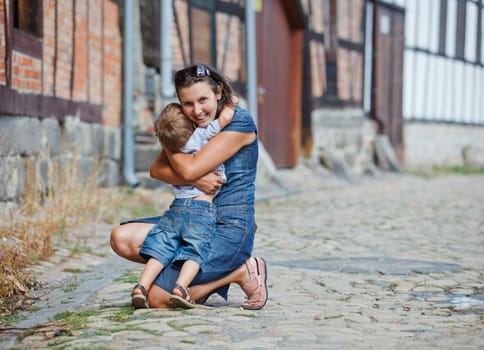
[394,262]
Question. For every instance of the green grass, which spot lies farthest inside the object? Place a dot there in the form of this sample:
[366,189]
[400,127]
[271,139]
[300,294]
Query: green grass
[320,283]
[76,320]
[248,315]
[11,319]
[129,276]
[70,287]
[445,170]
[74,270]
[122,315]
[143,211]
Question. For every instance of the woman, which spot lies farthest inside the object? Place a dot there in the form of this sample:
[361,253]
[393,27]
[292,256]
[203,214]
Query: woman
[202,93]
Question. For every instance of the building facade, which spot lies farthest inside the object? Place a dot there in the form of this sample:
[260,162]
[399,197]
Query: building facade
[334,77]
[443,82]
[310,61]
[60,91]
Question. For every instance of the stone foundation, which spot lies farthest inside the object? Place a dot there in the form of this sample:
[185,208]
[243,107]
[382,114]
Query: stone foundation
[431,144]
[344,136]
[31,148]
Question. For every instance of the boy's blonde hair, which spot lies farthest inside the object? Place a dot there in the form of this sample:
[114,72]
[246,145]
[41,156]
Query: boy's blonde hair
[173,128]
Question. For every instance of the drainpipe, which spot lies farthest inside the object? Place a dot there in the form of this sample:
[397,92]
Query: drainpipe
[166,8]
[374,70]
[251,59]
[128,135]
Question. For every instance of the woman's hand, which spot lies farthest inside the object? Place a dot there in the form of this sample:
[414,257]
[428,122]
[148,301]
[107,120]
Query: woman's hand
[210,183]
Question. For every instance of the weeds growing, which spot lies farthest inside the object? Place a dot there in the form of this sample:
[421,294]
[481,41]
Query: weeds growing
[444,170]
[29,233]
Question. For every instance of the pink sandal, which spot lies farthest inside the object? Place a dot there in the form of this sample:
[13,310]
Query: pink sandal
[256,288]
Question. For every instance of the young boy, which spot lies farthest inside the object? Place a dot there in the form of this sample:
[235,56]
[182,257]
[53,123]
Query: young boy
[186,229]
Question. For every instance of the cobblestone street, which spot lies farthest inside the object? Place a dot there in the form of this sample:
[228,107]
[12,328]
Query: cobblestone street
[393,262]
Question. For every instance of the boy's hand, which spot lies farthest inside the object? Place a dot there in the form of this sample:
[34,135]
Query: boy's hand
[209,184]
[226,114]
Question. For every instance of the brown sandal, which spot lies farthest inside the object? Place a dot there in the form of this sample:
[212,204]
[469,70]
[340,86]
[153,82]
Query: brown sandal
[256,287]
[140,301]
[184,300]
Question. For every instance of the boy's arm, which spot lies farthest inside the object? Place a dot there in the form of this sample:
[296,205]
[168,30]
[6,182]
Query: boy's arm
[226,115]
[163,171]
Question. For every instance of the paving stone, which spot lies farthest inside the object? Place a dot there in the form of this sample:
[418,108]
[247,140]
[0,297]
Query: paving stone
[395,262]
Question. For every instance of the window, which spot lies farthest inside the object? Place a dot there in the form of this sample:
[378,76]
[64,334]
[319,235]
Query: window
[27,26]
[26,16]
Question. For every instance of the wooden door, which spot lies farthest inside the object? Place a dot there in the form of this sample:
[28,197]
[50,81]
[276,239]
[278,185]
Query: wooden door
[279,75]
[389,74]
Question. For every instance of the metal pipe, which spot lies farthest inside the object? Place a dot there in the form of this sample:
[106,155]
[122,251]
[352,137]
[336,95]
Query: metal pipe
[166,9]
[251,59]
[128,135]
[374,69]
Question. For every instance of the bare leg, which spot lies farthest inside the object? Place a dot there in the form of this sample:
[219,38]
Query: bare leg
[139,294]
[127,239]
[240,276]
[152,269]
[252,278]
[187,273]
[159,298]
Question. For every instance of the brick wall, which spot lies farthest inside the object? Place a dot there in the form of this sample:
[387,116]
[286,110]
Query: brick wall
[95,49]
[350,62]
[112,64]
[81,63]
[80,59]
[26,73]
[350,15]
[230,45]
[317,25]
[71,86]
[180,42]
[48,50]
[2,44]
[350,75]
[64,49]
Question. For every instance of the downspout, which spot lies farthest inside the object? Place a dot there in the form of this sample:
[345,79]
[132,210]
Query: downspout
[128,135]
[166,8]
[251,59]
[374,69]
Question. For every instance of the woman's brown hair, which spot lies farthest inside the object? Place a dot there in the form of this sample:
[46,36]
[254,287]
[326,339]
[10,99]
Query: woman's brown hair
[201,72]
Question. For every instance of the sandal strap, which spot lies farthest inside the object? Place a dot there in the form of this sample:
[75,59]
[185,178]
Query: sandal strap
[182,290]
[254,278]
[256,287]
[141,288]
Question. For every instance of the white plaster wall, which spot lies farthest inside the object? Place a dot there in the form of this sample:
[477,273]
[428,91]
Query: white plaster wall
[428,144]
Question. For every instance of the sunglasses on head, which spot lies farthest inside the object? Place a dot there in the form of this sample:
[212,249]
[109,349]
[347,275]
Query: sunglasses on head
[197,71]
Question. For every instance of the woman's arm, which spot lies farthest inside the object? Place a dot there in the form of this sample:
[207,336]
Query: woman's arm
[216,151]
[162,170]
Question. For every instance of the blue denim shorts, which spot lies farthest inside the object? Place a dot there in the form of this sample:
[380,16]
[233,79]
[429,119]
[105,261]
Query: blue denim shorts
[184,232]
[231,246]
